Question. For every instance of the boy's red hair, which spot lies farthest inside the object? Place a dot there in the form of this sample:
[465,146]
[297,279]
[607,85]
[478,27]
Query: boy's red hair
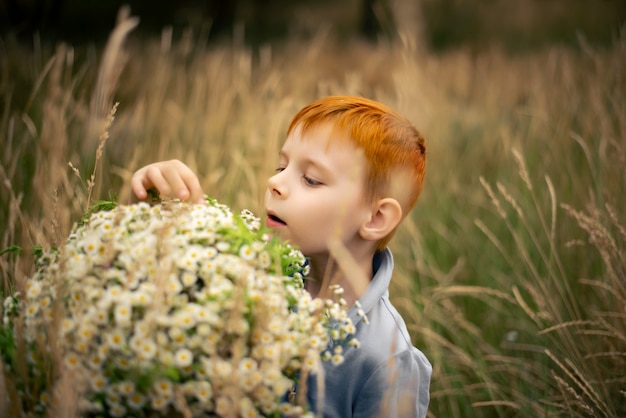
[394,149]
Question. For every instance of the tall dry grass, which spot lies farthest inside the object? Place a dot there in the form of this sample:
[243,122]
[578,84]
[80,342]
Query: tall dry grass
[511,270]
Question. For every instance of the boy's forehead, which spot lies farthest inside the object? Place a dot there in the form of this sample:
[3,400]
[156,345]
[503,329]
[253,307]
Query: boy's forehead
[323,140]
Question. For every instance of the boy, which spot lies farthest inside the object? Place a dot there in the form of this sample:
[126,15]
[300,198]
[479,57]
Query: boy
[350,170]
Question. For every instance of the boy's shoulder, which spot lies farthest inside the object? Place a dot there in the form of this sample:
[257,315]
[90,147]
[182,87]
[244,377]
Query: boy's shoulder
[385,353]
[385,331]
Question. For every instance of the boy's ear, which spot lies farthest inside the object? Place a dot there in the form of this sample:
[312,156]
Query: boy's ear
[385,217]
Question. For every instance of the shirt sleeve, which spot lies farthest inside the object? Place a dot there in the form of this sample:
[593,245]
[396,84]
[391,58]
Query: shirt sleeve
[397,389]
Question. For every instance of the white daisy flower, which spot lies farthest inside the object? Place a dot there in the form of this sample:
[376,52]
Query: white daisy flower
[223,368]
[337,359]
[202,391]
[164,388]
[136,400]
[183,357]
[116,338]
[122,314]
[158,403]
[147,349]
[72,360]
[97,381]
[33,290]
[117,410]
[31,310]
[141,298]
[222,246]
[247,253]
[173,285]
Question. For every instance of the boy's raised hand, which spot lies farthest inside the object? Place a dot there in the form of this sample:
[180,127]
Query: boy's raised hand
[170,178]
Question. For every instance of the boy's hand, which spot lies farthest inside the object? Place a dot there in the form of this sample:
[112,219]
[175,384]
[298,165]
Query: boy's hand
[170,178]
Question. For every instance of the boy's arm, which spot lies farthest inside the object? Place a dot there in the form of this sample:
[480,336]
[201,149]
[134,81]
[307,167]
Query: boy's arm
[170,178]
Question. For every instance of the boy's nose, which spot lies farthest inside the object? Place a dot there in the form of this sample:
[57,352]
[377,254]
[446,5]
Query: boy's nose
[276,186]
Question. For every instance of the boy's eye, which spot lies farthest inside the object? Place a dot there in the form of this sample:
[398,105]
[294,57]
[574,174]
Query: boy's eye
[311,182]
[279,169]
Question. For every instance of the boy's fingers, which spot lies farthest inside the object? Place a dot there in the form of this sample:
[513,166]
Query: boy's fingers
[196,195]
[170,178]
[183,183]
[165,180]
[139,191]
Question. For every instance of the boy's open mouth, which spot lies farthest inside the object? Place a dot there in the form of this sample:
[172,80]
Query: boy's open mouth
[276,219]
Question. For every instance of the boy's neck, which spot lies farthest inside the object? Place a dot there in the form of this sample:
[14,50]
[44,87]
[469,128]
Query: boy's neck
[327,271]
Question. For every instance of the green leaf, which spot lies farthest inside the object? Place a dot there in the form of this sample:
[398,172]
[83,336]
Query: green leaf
[37,251]
[143,382]
[14,249]
[172,374]
[98,206]
[7,345]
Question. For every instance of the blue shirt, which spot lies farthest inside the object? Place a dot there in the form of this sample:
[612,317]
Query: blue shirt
[386,376]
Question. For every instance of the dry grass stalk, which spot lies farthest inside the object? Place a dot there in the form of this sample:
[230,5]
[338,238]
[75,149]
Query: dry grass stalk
[508,404]
[569,324]
[113,60]
[494,200]
[509,198]
[522,303]
[599,236]
[523,171]
[475,291]
[579,380]
[91,183]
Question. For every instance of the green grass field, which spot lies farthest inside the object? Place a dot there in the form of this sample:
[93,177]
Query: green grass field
[511,271]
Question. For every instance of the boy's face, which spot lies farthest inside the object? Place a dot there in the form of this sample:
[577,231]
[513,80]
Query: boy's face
[317,192]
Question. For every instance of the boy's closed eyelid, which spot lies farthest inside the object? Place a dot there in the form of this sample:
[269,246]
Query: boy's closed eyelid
[311,181]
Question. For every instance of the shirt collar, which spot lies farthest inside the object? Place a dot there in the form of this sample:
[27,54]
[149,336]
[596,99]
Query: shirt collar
[382,265]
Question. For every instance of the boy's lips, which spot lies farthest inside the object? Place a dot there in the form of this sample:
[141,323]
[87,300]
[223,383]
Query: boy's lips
[274,221]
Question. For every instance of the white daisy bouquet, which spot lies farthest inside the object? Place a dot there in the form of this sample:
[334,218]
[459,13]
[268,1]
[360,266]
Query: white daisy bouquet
[174,309]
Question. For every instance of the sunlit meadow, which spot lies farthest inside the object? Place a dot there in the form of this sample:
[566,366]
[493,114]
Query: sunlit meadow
[511,270]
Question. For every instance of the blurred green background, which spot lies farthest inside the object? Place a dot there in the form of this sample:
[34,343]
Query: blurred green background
[443,24]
